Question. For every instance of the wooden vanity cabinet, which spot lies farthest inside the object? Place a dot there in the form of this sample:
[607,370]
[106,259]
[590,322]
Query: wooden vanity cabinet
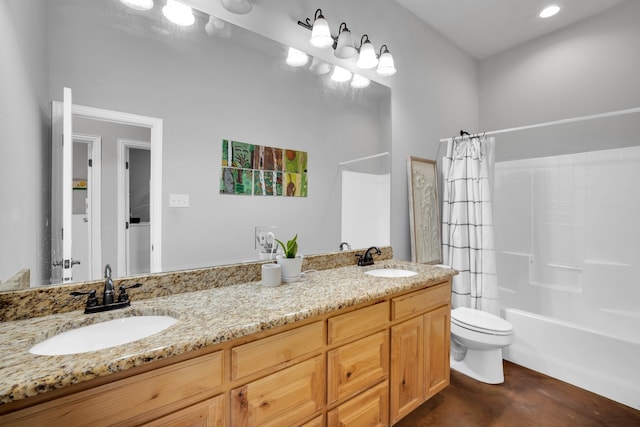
[419,348]
[364,366]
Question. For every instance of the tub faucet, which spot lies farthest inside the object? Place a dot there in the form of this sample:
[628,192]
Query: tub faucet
[107,295]
[367,257]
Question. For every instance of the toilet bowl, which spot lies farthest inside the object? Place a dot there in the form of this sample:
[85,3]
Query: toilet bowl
[477,339]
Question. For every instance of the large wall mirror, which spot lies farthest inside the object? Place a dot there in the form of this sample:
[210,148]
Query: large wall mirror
[205,87]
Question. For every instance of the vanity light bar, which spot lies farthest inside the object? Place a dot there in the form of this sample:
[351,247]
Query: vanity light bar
[344,48]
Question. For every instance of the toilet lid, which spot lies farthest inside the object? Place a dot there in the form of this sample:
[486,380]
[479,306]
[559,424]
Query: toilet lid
[480,321]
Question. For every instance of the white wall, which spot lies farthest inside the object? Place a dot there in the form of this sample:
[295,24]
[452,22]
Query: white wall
[24,159]
[588,68]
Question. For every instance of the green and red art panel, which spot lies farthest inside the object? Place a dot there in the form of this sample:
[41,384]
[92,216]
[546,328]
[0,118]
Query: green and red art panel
[259,170]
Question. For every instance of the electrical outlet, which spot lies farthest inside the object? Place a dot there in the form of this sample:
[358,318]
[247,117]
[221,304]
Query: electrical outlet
[263,237]
[178,200]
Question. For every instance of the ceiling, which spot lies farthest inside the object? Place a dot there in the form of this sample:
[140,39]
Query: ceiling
[486,27]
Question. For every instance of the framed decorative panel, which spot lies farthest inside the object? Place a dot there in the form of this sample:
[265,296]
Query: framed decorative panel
[259,170]
[424,211]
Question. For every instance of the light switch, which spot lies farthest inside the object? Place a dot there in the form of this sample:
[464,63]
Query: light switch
[178,200]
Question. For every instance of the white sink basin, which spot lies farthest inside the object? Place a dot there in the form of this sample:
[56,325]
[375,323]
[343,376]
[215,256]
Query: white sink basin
[390,272]
[103,335]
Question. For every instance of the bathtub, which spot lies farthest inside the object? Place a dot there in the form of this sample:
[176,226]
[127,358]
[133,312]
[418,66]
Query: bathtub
[598,362]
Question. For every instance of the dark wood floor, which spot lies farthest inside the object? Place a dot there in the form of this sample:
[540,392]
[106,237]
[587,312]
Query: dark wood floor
[526,398]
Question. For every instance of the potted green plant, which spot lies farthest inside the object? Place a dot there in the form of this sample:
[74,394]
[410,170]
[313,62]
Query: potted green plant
[291,262]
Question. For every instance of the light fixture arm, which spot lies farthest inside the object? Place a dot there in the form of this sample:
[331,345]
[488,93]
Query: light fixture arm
[364,39]
[307,22]
[383,49]
[309,25]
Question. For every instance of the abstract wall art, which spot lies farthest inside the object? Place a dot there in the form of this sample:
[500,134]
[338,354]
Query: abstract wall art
[259,170]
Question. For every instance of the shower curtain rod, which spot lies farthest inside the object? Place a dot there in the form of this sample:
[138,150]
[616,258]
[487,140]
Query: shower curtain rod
[386,153]
[555,122]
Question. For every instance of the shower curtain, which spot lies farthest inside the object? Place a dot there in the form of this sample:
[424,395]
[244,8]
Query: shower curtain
[467,223]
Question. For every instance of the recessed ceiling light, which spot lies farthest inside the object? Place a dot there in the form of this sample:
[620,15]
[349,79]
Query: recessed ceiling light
[549,11]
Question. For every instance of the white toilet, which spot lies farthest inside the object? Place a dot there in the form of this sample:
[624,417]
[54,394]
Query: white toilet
[477,339]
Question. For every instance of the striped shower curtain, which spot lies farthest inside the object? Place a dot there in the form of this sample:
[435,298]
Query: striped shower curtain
[467,223]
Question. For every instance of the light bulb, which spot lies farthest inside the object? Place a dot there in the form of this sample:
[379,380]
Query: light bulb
[217,27]
[549,11]
[178,13]
[139,4]
[319,67]
[367,58]
[241,7]
[360,82]
[320,34]
[340,74]
[386,67]
[345,48]
[296,58]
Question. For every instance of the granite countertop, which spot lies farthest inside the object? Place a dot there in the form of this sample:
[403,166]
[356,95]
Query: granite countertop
[206,317]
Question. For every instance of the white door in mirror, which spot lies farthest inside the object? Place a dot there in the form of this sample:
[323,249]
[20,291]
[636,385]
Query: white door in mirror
[103,335]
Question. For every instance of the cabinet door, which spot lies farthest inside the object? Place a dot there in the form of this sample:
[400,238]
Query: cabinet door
[407,367]
[437,326]
[356,366]
[369,409]
[281,399]
[209,413]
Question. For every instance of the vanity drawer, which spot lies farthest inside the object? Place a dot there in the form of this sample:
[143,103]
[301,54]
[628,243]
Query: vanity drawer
[420,301]
[255,356]
[354,367]
[141,397]
[358,322]
[370,408]
[209,413]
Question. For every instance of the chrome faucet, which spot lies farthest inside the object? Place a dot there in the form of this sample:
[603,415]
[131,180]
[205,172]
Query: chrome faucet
[367,257]
[107,295]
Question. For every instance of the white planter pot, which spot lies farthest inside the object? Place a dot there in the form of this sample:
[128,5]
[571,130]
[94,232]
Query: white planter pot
[291,268]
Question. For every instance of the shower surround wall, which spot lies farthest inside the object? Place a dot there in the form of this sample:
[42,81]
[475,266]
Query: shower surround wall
[568,249]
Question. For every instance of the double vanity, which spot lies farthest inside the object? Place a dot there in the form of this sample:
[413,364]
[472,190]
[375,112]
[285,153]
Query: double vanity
[339,347]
